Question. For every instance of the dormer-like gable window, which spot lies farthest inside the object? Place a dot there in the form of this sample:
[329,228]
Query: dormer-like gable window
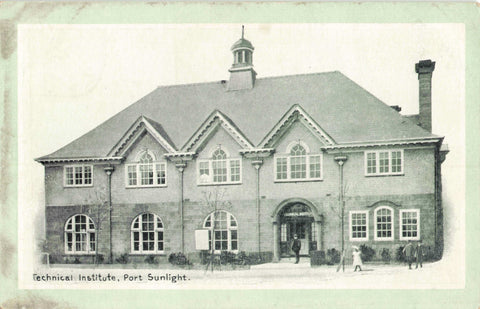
[146,172]
[298,164]
[220,169]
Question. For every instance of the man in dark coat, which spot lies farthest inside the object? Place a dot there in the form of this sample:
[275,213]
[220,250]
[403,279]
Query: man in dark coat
[409,252]
[419,253]
[296,248]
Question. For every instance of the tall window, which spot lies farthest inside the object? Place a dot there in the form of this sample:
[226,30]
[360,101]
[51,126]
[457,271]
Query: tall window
[358,225]
[283,232]
[224,225]
[313,231]
[298,165]
[388,162]
[147,234]
[410,224]
[384,223]
[219,169]
[80,235]
[147,172]
[78,175]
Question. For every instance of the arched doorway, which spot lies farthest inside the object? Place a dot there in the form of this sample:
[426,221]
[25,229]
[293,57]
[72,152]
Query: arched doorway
[300,217]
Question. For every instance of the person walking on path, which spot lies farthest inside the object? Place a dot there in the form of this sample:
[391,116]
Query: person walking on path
[419,254]
[409,252]
[357,259]
[296,248]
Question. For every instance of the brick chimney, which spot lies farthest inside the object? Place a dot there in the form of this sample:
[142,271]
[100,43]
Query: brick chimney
[424,69]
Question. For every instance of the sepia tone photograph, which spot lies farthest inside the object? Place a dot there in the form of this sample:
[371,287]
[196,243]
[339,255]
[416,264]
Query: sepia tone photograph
[241,156]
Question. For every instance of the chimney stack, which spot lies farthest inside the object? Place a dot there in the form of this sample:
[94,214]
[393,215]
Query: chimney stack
[424,69]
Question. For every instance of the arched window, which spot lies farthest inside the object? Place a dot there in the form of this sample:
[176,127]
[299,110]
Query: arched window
[220,169]
[80,235]
[298,164]
[219,165]
[384,223]
[147,234]
[224,227]
[146,172]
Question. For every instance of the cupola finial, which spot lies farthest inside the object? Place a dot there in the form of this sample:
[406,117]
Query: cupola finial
[243,29]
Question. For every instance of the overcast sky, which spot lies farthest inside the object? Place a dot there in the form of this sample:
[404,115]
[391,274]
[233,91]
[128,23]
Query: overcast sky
[74,77]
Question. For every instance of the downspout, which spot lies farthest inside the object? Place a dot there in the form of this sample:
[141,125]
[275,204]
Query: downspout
[181,168]
[341,161]
[257,164]
[109,170]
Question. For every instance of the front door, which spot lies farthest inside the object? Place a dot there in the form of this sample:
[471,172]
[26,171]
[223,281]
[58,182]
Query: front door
[302,230]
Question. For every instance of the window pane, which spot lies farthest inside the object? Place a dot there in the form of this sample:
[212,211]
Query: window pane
[281,168]
[146,174]
[383,162]
[358,224]
[87,175]
[235,170]
[384,227]
[69,175]
[314,166]
[371,163]
[132,175]
[298,167]
[219,170]
[78,175]
[396,161]
[161,174]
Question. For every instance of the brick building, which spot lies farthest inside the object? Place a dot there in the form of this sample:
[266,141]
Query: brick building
[253,162]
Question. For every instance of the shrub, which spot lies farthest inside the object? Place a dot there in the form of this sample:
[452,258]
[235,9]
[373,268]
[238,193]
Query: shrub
[52,259]
[242,258]
[333,256]
[368,253]
[100,259]
[122,259]
[317,258]
[77,261]
[178,259]
[227,257]
[386,255]
[151,259]
[399,256]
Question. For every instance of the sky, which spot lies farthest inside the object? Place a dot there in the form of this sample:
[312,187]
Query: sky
[74,77]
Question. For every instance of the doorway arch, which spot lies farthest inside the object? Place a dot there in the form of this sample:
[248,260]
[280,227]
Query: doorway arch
[296,216]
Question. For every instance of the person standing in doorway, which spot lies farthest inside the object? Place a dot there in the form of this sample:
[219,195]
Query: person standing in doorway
[296,248]
[357,259]
[419,254]
[409,252]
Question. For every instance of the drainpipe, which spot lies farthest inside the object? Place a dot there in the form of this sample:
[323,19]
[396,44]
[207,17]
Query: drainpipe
[109,170]
[257,164]
[181,167]
[341,161]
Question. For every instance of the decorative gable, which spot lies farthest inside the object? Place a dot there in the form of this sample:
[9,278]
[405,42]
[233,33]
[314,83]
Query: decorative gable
[141,125]
[294,114]
[216,119]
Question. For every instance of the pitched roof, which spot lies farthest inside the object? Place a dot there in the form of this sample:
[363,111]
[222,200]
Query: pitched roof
[344,110]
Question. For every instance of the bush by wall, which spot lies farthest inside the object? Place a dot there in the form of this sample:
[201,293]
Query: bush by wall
[178,259]
[386,255]
[122,259]
[368,253]
[333,256]
[317,258]
[151,259]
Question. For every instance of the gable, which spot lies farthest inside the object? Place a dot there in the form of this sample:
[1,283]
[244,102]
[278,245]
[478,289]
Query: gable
[138,129]
[145,142]
[219,138]
[295,116]
[298,132]
[215,121]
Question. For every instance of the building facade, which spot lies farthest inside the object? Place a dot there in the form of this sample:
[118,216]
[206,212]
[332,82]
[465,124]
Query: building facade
[252,162]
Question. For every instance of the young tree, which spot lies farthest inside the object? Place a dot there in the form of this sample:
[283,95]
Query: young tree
[215,201]
[98,210]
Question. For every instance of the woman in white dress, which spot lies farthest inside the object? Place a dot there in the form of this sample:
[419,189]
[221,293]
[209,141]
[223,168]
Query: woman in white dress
[357,259]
